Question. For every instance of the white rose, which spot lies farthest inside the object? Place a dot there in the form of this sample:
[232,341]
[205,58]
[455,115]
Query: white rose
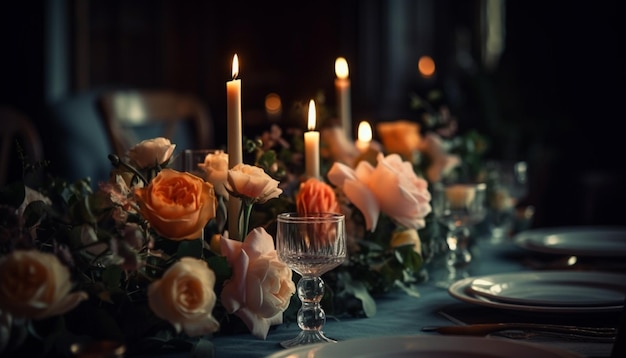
[184,297]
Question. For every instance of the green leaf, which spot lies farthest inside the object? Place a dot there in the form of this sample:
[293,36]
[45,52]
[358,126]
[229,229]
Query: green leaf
[112,276]
[13,194]
[408,257]
[220,266]
[358,289]
[190,248]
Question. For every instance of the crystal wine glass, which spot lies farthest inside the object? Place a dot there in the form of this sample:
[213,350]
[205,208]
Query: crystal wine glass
[311,245]
[459,206]
[507,186]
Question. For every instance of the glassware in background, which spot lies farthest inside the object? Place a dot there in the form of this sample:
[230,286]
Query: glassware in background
[311,245]
[459,206]
[507,184]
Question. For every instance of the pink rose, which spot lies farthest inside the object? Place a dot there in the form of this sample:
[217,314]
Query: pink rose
[251,182]
[184,297]
[392,187]
[441,163]
[150,152]
[36,285]
[261,286]
[400,192]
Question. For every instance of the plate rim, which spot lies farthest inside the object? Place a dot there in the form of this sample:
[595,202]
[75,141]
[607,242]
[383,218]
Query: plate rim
[459,290]
[610,279]
[523,240]
[459,344]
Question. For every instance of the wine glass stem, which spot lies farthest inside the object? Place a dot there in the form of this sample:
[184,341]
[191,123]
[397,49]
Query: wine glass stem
[311,316]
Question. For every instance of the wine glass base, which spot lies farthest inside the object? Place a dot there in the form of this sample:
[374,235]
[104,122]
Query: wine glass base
[307,337]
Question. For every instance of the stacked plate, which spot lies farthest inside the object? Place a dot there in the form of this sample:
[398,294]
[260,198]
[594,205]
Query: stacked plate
[545,291]
[584,241]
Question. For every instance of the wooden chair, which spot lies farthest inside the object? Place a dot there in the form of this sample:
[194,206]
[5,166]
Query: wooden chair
[16,128]
[134,115]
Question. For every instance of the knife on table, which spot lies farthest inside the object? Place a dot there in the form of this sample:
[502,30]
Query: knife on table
[483,329]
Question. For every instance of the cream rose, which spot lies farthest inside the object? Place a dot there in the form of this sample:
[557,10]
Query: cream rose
[261,286]
[184,297]
[177,204]
[150,152]
[36,285]
[216,168]
[251,182]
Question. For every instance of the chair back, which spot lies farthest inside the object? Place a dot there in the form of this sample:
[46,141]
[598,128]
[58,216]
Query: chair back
[17,129]
[134,115]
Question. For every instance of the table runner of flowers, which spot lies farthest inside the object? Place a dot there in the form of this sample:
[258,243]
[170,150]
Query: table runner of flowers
[145,260]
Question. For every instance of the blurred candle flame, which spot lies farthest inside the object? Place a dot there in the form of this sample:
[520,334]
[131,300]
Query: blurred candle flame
[341,68]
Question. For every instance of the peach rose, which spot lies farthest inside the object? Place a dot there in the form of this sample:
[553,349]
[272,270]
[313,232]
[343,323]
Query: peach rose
[392,187]
[251,182]
[401,137]
[36,285]
[150,152]
[261,286]
[216,168]
[184,297]
[177,204]
[316,196]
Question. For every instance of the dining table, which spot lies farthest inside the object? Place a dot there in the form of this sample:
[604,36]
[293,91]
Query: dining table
[401,314]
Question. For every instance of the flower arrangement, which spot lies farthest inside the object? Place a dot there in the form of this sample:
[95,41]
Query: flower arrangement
[141,261]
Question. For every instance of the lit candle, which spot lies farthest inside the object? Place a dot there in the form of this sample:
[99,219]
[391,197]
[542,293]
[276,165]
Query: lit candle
[312,146]
[342,87]
[364,136]
[235,154]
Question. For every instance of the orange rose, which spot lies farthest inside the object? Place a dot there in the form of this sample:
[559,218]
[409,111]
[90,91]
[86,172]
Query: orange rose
[177,204]
[401,137]
[315,196]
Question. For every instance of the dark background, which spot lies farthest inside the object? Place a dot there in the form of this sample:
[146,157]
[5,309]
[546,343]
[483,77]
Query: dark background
[554,98]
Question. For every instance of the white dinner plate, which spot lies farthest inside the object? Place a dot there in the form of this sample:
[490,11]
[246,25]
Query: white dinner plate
[553,288]
[424,346]
[461,290]
[578,241]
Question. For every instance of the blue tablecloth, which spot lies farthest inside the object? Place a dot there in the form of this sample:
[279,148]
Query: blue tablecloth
[401,314]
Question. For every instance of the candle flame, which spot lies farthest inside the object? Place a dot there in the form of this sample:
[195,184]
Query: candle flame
[235,66]
[311,115]
[341,68]
[365,132]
